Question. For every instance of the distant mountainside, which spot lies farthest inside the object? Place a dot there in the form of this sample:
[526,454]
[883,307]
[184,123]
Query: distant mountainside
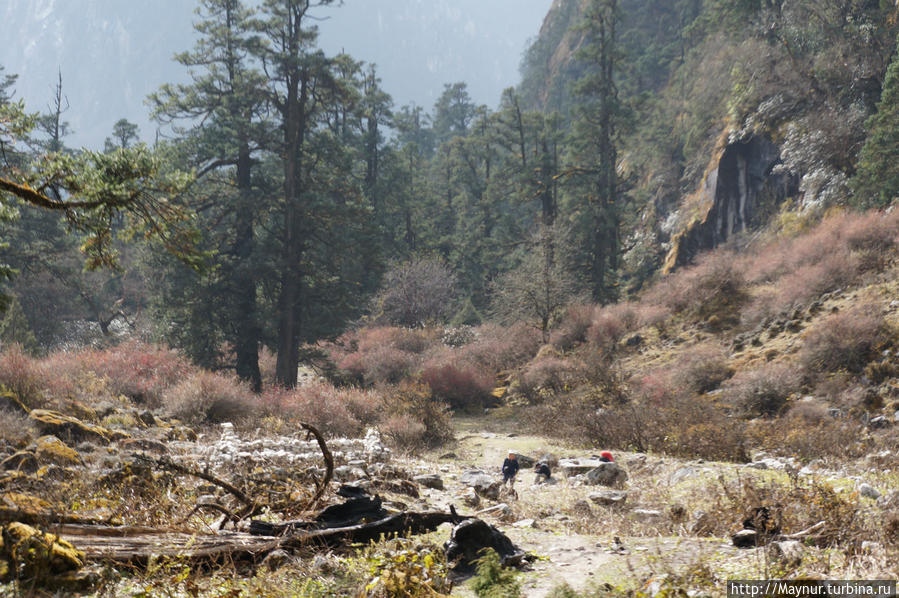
[112,53]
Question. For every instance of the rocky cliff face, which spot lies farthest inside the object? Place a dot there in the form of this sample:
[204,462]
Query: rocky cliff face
[741,189]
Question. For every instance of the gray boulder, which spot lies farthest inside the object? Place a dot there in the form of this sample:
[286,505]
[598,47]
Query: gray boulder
[606,474]
[429,480]
[609,498]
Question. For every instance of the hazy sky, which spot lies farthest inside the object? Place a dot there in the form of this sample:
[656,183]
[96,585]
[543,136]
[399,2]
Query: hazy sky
[112,53]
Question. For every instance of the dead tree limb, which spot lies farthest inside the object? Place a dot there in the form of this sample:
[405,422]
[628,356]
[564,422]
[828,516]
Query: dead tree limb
[401,523]
[329,466]
[229,515]
[230,488]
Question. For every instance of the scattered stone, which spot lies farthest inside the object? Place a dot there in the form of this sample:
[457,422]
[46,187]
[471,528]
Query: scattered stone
[525,462]
[879,422]
[606,474]
[147,418]
[429,480]
[449,456]
[525,523]
[646,515]
[576,467]
[470,498]
[476,477]
[635,461]
[608,497]
[869,547]
[681,474]
[788,552]
[633,341]
[50,449]
[868,491]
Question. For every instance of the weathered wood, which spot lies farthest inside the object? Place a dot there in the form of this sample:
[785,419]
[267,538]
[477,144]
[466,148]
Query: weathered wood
[43,518]
[401,523]
[320,487]
[137,545]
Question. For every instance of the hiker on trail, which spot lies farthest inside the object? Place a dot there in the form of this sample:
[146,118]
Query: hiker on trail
[542,471]
[606,457]
[510,469]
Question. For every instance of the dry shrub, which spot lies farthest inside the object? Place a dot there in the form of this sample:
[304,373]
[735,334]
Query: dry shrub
[414,418]
[463,386]
[387,364]
[139,371]
[335,411]
[404,339]
[546,375]
[764,390]
[500,348]
[714,286]
[573,327]
[808,432]
[22,375]
[701,369]
[792,508]
[845,340]
[16,429]
[208,397]
[833,255]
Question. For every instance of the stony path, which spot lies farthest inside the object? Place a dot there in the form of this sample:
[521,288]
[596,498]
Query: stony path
[565,556]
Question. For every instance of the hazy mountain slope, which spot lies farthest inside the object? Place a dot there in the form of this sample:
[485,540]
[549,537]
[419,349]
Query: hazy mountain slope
[112,53]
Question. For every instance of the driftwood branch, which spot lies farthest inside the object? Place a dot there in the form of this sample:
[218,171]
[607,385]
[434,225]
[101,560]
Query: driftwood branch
[320,487]
[229,515]
[230,488]
[401,523]
[802,534]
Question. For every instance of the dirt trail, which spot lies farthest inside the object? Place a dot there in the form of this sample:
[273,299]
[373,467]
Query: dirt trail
[565,553]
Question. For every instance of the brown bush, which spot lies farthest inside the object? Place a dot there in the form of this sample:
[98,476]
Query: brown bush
[702,368]
[412,404]
[499,348]
[845,340]
[573,327]
[808,433]
[546,375]
[207,397]
[463,386]
[16,429]
[791,508]
[764,390]
[714,286]
[22,375]
[335,411]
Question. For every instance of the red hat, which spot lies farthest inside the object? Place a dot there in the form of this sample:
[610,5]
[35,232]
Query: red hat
[606,455]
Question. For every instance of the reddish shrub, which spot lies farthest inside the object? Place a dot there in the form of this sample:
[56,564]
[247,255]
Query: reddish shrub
[462,385]
[702,368]
[546,374]
[848,339]
[138,371]
[412,404]
[573,327]
[500,348]
[22,375]
[208,397]
[714,286]
[404,339]
[765,390]
[386,364]
[334,411]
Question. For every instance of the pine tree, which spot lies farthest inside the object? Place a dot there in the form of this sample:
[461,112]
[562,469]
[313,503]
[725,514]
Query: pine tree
[593,146]
[876,181]
[14,329]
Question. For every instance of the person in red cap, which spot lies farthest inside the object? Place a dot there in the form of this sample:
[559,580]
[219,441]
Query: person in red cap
[606,457]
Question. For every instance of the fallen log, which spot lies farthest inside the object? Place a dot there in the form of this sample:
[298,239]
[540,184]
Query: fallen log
[399,524]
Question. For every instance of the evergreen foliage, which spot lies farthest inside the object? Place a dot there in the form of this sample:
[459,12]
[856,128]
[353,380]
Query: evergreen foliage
[15,330]
[877,180]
